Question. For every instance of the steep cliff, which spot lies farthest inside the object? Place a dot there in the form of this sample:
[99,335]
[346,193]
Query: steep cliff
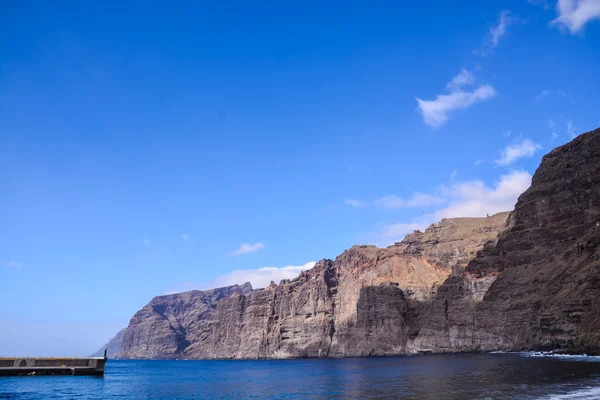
[113,347]
[525,280]
[538,286]
[163,328]
[452,243]
[366,302]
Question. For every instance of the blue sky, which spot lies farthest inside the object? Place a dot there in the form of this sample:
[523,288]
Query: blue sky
[148,150]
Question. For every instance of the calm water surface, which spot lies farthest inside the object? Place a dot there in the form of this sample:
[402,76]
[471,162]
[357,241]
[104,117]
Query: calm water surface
[468,376]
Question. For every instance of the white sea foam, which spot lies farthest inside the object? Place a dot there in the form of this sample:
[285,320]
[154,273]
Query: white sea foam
[575,357]
[585,393]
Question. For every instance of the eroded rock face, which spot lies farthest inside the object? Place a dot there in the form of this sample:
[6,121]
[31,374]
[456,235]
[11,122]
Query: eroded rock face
[163,327]
[540,281]
[453,242]
[113,347]
[366,302]
[528,280]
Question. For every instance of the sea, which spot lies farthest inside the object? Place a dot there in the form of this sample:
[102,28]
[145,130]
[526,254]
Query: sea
[460,376]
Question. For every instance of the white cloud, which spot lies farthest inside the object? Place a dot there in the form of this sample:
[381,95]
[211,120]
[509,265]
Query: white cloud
[417,200]
[400,230]
[14,264]
[392,233]
[390,201]
[554,135]
[466,199]
[575,14]
[355,203]
[506,134]
[499,30]
[571,129]
[262,277]
[436,112]
[185,236]
[476,199]
[513,152]
[542,94]
[147,241]
[246,248]
[141,258]
[464,78]
[423,199]
[492,39]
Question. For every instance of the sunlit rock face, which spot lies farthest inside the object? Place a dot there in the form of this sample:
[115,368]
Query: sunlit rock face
[367,301]
[525,280]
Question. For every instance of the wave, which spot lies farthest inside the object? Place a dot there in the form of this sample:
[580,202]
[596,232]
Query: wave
[585,393]
[575,357]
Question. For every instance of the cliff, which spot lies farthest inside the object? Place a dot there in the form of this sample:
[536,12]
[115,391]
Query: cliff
[163,328]
[538,286]
[365,302]
[113,347]
[525,280]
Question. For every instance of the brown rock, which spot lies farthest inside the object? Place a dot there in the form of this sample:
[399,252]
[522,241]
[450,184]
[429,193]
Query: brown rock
[366,302]
[538,287]
[528,280]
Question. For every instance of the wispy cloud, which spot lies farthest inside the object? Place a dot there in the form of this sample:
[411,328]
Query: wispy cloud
[141,258]
[390,201]
[436,112]
[14,264]
[542,95]
[185,236]
[575,14]
[492,39]
[246,248]
[543,3]
[147,241]
[515,151]
[554,136]
[262,277]
[571,129]
[417,200]
[398,231]
[546,92]
[567,96]
[464,78]
[476,199]
[355,203]
[259,278]
[464,199]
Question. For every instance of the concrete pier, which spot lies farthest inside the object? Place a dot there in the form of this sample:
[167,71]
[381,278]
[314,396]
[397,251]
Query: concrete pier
[52,366]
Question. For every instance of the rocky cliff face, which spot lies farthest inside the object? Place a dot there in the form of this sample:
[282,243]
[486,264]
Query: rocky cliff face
[452,243]
[113,347]
[366,302]
[163,328]
[528,280]
[538,286]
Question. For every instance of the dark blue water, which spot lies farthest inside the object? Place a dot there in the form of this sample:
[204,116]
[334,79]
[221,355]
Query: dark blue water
[468,376]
